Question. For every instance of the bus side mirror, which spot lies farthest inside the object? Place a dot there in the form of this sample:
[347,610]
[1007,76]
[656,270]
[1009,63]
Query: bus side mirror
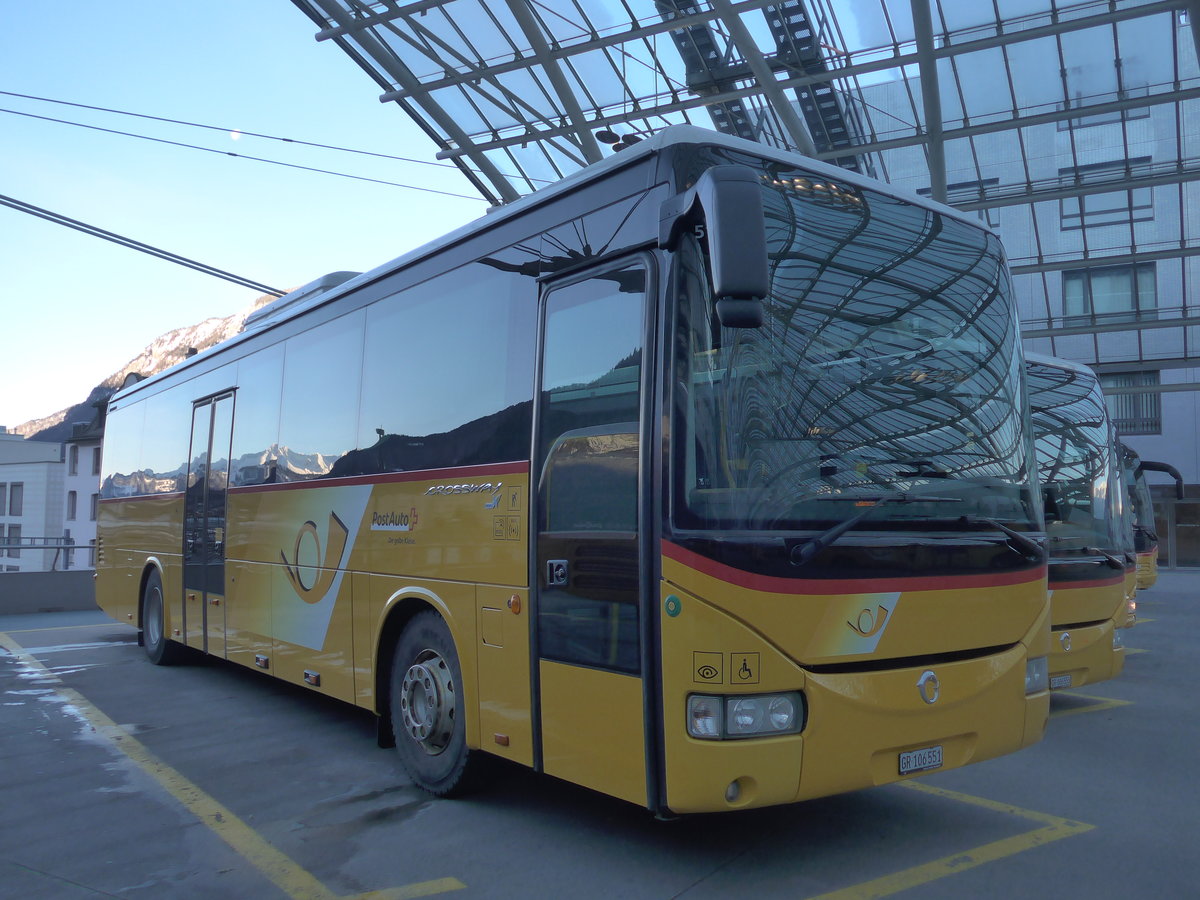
[730,203]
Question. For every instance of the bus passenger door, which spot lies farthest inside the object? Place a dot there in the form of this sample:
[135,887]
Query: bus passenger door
[588,553]
[204,524]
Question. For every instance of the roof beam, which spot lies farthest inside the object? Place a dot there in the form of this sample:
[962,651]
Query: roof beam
[566,95]
[400,74]
[1178,175]
[931,99]
[1088,262]
[1074,112]
[740,35]
[639,33]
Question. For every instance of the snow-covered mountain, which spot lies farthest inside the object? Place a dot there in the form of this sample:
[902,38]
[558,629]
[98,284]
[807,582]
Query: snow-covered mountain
[163,352]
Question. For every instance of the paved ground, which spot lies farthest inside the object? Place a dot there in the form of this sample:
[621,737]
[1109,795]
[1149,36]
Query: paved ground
[120,779]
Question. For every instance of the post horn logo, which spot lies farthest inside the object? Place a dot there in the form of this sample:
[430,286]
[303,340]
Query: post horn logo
[311,581]
[929,687]
[869,624]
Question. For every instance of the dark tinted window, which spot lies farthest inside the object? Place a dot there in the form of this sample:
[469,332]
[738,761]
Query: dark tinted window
[255,454]
[123,451]
[447,374]
[320,398]
[165,448]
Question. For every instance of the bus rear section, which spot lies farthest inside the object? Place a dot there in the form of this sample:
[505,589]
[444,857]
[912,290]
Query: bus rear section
[1088,525]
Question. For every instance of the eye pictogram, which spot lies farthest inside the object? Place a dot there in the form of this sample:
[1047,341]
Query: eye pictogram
[707,672]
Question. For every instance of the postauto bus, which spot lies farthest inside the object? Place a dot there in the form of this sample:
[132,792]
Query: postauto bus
[1088,527]
[1145,532]
[700,478]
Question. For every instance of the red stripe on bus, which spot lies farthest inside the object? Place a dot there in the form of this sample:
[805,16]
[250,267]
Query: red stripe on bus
[776,585]
[487,471]
[1092,583]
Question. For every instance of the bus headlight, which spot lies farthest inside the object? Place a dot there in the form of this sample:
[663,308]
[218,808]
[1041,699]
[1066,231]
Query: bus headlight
[744,715]
[1037,675]
[704,717]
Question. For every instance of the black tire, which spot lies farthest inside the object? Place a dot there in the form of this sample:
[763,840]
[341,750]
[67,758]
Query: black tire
[160,650]
[427,709]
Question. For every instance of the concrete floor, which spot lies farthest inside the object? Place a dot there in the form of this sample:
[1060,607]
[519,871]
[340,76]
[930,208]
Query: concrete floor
[121,779]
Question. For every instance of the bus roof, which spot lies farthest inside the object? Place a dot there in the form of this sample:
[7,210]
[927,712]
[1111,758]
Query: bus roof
[314,294]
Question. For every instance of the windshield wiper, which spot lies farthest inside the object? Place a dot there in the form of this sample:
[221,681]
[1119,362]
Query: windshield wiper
[1110,559]
[1029,548]
[802,553]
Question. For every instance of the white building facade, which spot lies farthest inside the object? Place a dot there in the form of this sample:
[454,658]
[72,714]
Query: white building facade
[32,486]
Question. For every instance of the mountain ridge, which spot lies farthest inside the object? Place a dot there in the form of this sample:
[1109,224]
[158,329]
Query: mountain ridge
[164,351]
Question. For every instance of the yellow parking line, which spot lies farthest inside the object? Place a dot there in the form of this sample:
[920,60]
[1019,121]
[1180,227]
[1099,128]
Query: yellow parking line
[1130,651]
[1140,621]
[1053,828]
[280,869]
[1100,704]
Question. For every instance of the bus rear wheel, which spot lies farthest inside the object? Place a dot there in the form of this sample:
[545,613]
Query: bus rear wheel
[427,709]
[160,649]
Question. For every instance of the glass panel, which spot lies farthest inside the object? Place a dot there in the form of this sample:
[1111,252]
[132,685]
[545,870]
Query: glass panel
[887,374]
[1074,295]
[123,451]
[588,483]
[474,402]
[165,451]
[256,429]
[319,415]
[1076,460]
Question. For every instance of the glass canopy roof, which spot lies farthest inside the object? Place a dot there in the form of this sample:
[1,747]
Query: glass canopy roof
[1070,128]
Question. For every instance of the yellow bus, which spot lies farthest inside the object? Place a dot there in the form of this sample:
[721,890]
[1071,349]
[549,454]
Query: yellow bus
[1145,532]
[1088,526]
[701,478]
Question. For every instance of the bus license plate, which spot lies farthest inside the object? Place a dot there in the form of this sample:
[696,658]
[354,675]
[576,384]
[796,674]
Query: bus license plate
[1060,681]
[921,760]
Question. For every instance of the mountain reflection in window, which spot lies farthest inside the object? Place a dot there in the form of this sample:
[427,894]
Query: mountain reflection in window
[590,480]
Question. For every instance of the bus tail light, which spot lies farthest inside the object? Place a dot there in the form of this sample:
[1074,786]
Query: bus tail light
[714,718]
[1037,675]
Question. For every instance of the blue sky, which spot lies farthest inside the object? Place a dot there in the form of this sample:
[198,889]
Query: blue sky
[76,308]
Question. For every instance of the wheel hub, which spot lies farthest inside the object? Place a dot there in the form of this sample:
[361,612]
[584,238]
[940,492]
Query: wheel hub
[427,702]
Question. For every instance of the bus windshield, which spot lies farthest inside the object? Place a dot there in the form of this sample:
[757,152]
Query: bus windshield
[886,376]
[1080,485]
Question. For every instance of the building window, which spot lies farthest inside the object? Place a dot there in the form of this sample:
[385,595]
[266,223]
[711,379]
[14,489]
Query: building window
[72,503]
[73,460]
[1107,207]
[95,506]
[14,541]
[16,498]
[1133,413]
[1110,293]
[92,553]
[96,461]
[3,497]
[1105,118]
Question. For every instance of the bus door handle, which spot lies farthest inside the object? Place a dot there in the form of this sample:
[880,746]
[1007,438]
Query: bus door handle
[557,573]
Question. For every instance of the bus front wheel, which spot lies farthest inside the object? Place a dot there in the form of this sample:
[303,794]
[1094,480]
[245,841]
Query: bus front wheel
[427,708]
[160,649]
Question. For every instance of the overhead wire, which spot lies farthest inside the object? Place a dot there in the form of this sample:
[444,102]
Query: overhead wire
[273,162]
[123,241]
[239,131]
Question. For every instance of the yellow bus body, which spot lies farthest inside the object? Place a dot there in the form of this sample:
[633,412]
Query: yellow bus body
[1147,568]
